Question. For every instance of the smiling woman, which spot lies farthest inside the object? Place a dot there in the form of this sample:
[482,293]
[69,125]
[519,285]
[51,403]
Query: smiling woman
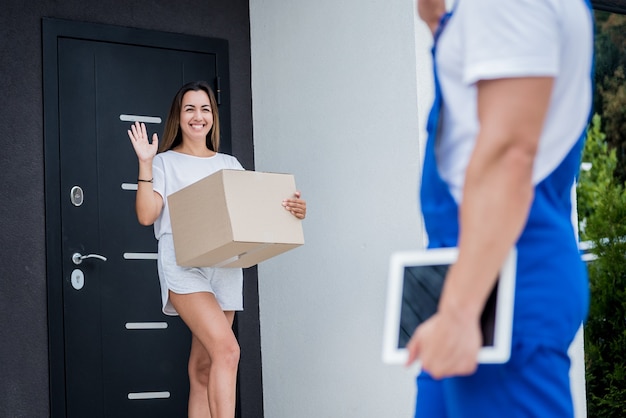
[196,121]
[203,98]
[206,298]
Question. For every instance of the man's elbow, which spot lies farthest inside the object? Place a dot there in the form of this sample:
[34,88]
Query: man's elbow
[521,155]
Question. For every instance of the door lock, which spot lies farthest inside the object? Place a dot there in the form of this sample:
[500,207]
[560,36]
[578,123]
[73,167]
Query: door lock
[77,196]
[78,258]
[78,279]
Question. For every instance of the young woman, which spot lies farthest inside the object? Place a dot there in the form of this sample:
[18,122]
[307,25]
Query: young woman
[205,298]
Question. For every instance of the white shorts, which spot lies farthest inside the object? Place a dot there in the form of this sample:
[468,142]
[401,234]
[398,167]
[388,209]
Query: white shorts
[225,283]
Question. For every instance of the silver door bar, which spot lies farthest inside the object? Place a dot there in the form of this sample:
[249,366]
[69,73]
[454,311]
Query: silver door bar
[138,118]
[148,395]
[140,256]
[146,325]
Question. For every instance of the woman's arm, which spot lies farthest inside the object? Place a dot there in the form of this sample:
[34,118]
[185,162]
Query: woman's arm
[497,196]
[296,206]
[148,203]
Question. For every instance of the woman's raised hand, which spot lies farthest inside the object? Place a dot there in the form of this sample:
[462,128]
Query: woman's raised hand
[139,138]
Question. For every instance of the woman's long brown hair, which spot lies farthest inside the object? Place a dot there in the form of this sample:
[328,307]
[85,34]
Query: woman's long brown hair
[172,135]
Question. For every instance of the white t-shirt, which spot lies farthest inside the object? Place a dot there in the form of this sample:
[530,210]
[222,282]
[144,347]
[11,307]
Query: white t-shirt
[492,39]
[173,171]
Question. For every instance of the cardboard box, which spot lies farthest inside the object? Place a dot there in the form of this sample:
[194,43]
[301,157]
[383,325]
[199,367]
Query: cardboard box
[234,218]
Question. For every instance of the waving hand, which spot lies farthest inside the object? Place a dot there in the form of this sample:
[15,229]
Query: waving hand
[139,138]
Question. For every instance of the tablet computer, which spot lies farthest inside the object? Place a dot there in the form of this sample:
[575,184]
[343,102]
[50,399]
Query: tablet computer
[414,286]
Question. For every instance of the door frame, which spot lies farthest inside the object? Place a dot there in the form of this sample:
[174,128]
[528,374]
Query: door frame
[52,30]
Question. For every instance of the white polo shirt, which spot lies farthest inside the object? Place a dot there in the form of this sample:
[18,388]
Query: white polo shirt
[521,38]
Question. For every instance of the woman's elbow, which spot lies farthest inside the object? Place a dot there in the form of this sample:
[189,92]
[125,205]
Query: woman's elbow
[145,222]
[146,219]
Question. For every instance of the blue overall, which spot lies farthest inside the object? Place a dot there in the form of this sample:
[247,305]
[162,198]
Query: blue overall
[551,299]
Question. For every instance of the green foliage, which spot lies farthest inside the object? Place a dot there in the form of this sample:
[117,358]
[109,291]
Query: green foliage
[610,92]
[602,210]
[603,201]
[592,183]
[613,91]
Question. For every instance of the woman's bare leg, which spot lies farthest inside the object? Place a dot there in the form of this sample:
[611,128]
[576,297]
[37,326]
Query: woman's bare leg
[199,366]
[214,350]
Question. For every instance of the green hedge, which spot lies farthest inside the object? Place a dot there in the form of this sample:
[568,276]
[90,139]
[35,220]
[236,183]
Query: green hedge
[602,210]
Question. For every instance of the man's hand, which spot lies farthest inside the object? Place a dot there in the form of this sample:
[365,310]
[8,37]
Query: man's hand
[447,344]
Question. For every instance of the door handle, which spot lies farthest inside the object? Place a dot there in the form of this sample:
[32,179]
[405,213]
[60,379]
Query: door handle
[78,258]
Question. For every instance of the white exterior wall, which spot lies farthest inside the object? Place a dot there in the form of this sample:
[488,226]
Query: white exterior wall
[334,89]
[340,93]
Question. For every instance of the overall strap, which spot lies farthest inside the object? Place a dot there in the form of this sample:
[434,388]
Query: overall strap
[438,207]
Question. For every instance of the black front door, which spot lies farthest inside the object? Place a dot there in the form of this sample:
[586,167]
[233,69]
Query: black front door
[118,355]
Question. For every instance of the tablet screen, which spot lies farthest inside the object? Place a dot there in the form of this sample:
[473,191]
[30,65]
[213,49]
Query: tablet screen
[422,286]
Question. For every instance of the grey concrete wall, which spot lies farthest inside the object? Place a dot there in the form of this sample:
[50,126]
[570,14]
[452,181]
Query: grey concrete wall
[336,102]
[23,310]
